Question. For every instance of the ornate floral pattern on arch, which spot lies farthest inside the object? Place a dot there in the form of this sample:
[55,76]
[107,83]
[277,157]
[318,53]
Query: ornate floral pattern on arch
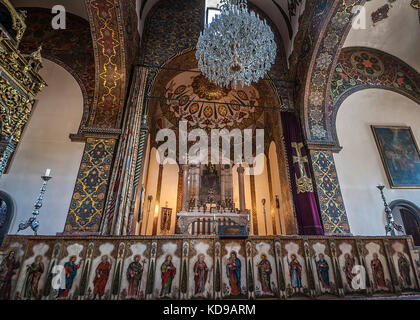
[362,68]
[72,47]
[110,53]
[323,61]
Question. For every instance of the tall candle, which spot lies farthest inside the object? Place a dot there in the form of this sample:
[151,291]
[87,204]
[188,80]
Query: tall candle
[47,172]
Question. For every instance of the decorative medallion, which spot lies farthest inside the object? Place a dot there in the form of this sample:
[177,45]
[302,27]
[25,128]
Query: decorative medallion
[380,14]
[367,64]
[206,89]
[226,107]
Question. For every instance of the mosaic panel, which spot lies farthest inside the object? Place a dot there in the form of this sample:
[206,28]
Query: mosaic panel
[333,31]
[333,213]
[110,62]
[88,199]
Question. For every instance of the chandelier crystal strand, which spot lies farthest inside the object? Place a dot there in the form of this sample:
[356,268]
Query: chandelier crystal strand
[236,47]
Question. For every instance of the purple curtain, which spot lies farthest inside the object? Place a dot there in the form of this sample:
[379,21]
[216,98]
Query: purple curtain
[308,219]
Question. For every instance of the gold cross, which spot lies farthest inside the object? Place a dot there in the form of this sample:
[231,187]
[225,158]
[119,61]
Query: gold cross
[299,159]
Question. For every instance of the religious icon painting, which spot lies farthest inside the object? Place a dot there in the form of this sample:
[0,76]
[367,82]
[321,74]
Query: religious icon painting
[201,269]
[400,155]
[323,267]
[403,266]
[32,279]
[167,275]
[134,275]
[51,271]
[265,275]
[11,261]
[234,270]
[118,270]
[71,264]
[294,269]
[377,266]
[102,268]
[165,220]
[351,270]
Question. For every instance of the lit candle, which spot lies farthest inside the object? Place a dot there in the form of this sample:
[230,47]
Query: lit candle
[47,172]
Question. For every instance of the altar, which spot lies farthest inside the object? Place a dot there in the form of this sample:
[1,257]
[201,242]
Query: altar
[207,200]
[201,223]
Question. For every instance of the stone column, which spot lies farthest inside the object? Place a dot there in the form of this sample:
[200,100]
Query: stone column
[229,182]
[241,184]
[333,212]
[195,182]
[222,183]
[185,172]
[91,184]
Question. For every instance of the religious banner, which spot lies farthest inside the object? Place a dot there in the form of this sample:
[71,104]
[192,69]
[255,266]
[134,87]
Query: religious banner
[307,215]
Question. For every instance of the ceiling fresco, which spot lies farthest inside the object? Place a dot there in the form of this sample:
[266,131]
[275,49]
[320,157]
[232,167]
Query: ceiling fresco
[192,98]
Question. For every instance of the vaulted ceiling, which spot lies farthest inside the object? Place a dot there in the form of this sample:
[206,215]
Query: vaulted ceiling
[76,7]
[277,10]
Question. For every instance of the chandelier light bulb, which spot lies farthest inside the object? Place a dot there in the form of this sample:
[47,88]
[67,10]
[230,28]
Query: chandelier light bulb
[236,47]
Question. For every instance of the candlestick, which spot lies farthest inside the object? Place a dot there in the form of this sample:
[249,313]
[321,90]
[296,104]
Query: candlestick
[391,225]
[32,222]
[265,216]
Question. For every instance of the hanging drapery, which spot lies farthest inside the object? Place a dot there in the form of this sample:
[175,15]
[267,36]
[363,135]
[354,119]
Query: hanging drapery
[118,217]
[307,215]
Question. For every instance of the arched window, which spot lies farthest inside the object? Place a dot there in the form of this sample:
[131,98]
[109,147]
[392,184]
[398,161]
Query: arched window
[407,214]
[6,214]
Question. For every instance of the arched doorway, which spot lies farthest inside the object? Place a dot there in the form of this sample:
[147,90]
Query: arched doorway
[181,95]
[6,214]
[407,214]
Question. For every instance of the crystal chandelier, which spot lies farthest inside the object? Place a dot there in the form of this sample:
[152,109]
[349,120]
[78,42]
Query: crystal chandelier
[236,46]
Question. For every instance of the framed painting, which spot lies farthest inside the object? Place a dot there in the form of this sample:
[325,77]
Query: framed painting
[400,155]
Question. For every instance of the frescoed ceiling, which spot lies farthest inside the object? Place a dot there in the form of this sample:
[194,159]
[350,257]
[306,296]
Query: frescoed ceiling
[194,86]
[76,7]
[284,13]
[212,107]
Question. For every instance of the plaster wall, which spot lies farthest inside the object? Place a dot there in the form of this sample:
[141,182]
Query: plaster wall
[45,144]
[359,165]
[398,34]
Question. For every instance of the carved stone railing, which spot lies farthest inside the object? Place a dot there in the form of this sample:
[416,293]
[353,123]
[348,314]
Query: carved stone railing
[320,267]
